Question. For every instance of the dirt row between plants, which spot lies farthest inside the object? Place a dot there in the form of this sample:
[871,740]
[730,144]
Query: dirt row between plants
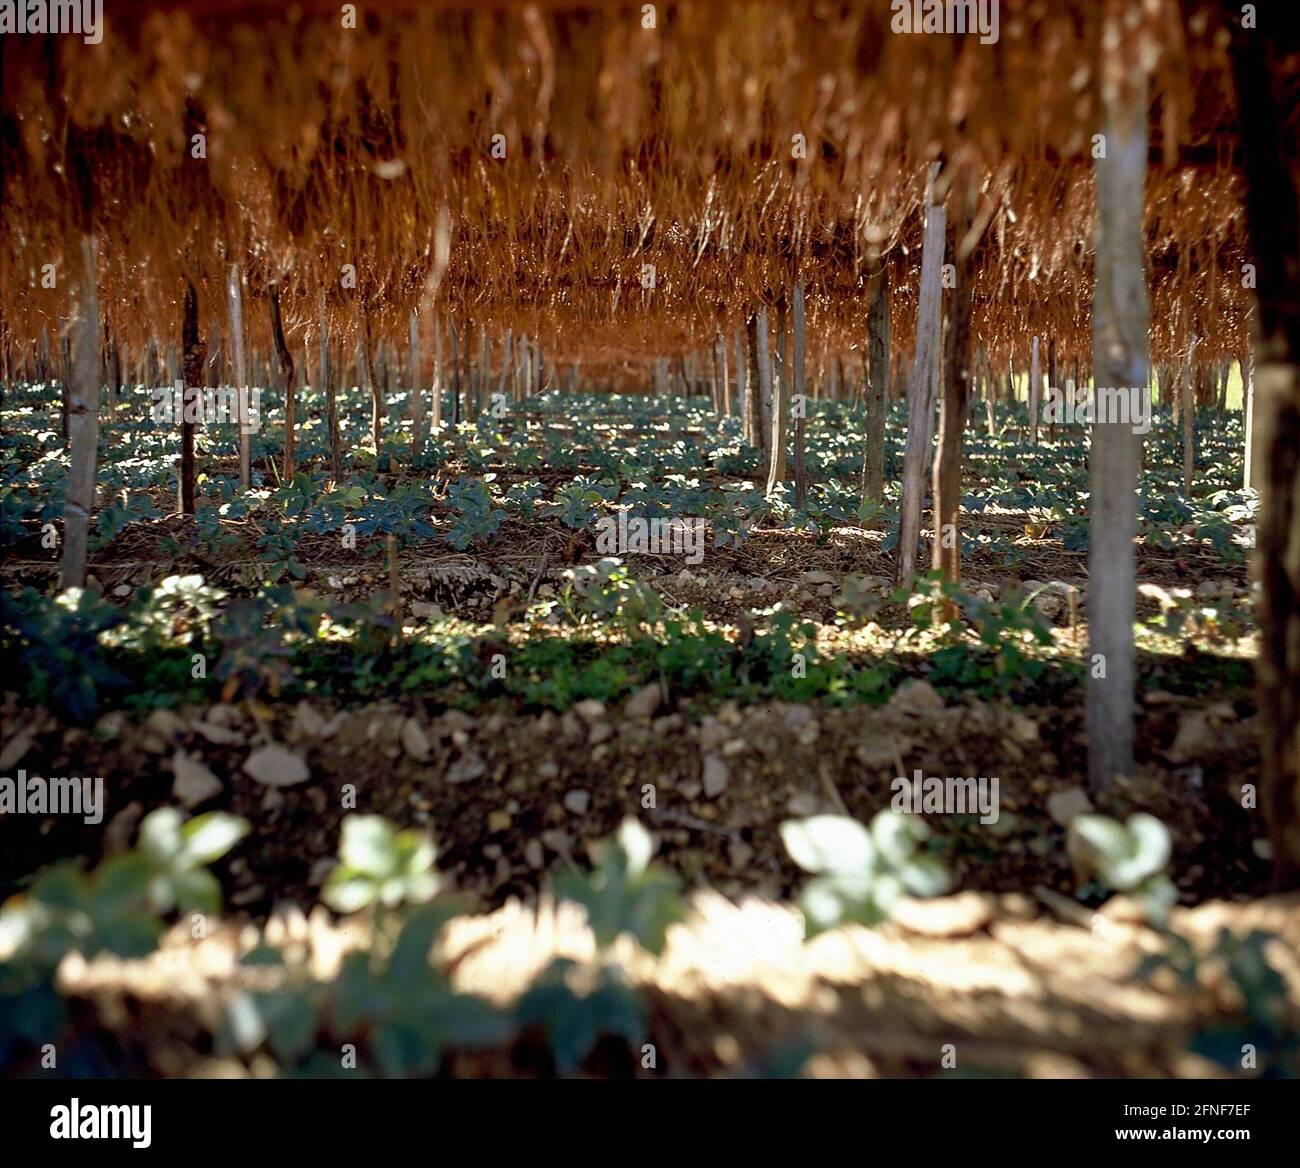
[510,796]
[973,984]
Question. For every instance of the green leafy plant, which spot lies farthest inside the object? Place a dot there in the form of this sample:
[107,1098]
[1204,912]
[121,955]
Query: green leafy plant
[577,504]
[389,999]
[574,1013]
[380,866]
[117,909]
[1125,857]
[61,649]
[860,873]
[177,852]
[625,892]
[1237,972]
[606,589]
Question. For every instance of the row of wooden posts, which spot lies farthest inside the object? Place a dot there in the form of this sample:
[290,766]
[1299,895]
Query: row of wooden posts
[772,359]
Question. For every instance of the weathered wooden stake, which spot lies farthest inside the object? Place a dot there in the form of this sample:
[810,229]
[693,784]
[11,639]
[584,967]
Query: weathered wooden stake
[1263,69]
[191,387]
[952,418]
[1119,360]
[780,413]
[873,455]
[234,311]
[416,392]
[799,397]
[764,395]
[289,386]
[925,369]
[83,426]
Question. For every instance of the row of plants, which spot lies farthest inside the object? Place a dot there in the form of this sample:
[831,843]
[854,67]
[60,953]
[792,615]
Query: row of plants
[668,457]
[391,1008]
[602,636]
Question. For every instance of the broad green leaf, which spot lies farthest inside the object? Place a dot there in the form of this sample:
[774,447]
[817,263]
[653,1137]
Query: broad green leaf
[209,837]
[196,890]
[896,836]
[120,883]
[160,836]
[924,875]
[346,891]
[369,844]
[637,846]
[829,843]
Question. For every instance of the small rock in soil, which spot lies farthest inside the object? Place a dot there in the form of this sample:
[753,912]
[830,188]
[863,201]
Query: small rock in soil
[276,766]
[218,734]
[15,749]
[803,803]
[916,697]
[466,768]
[716,776]
[194,783]
[307,722]
[643,703]
[577,802]
[414,740]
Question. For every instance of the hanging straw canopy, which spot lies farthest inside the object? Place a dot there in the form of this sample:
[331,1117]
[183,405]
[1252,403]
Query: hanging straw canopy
[534,167]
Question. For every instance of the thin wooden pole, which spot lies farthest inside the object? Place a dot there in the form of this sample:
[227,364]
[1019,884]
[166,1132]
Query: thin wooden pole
[873,455]
[776,462]
[83,426]
[1119,360]
[191,384]
[235,313]
[436,417]
[799,347]
[331,403]
[952,417]
[284,363]
[925,366]
[1035,383]
[417,393]
[1263,67]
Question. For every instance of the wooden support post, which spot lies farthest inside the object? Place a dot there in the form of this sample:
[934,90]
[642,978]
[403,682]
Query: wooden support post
[83,426]
[742,400]
[1189,419]
[192,385]
[456,409]
[1119,360]
[1263,67]
[754,412]
[873,454]
[507,359]
[798,346]
[764,395]
[416,391]
[435,418]
[724,387]
[331,404]
[1248,478]
[284,364]
[1035,383]
[925,368]
[780,413]
[367,380]
[956,394]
